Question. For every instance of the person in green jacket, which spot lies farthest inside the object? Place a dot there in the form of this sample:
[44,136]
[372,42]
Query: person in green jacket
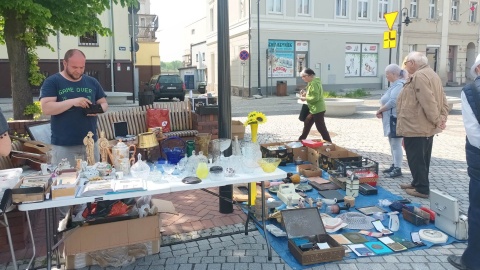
[316,105]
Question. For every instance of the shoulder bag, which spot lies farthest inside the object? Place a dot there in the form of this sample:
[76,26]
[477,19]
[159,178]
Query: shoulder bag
[393,126]
[304,112]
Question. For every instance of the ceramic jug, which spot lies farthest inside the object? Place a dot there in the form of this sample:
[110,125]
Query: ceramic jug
[121,157]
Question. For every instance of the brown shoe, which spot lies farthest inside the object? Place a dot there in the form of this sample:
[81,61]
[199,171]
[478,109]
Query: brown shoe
[406,186]
[413,192]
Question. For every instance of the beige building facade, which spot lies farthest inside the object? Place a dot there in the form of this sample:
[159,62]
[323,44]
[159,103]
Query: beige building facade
[341,40]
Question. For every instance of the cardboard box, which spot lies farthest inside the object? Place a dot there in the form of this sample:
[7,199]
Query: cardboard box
[313,156]
[301,152]
[29,194]
[120,233]
[238,129]
[81,260]
[277,150]
[65,185]
[311,224]
[327,158]
[309,170]
[110,235]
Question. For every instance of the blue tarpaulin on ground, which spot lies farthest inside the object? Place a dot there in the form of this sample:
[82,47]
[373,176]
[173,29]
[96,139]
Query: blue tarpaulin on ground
[279,244]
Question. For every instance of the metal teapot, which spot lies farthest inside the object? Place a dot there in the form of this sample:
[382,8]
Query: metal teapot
[120,156]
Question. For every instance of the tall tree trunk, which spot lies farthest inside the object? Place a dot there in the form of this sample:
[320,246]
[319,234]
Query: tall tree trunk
[19,65]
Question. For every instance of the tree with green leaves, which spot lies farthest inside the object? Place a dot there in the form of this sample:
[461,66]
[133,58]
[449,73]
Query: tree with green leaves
[26,25]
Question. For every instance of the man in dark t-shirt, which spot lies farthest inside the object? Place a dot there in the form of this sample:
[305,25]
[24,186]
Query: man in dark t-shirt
[64,96]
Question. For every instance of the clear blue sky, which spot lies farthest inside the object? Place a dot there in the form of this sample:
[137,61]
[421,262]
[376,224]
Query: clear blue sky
[173,16]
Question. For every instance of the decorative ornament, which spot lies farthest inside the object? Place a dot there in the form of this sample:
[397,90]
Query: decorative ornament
[89,144]
[255,118]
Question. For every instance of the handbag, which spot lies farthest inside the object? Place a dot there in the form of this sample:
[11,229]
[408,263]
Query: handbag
[393,126]
[304,112]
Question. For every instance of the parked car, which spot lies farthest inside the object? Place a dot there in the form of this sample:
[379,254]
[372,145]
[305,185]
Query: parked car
[167,86]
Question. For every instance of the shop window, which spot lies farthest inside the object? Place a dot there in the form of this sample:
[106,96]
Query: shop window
[361,60]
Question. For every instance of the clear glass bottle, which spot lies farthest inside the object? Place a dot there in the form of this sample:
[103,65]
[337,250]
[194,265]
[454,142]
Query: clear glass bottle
[236,147]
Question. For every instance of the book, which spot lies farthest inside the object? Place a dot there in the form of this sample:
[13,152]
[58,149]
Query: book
[127,185]
[342,240]
[378,247]
[97,188]
[355,238]
[389,242]
[361,250]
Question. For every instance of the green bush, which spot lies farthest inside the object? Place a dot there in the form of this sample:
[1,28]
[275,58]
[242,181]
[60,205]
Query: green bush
[359,93]
[34,109]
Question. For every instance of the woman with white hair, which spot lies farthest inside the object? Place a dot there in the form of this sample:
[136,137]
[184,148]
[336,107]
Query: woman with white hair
[396,76]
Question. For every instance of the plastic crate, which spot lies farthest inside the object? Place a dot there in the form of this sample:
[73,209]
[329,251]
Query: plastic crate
[365,164]
[416,216]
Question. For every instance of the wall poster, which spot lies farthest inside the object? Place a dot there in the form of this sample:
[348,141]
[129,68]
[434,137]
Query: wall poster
[361,60]
[280,58]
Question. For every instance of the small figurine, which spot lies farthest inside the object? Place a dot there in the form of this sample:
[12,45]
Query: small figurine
[310,201]
[301,203]
[64,164]
[89,143]
[103,145]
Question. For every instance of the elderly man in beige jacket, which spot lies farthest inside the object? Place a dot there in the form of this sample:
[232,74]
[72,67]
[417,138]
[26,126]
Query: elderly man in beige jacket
[422,112]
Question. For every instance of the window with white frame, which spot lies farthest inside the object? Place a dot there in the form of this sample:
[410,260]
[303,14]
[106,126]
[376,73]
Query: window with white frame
[303,7]
[382,8]
[412,48]
[362,10]
[432,9]
[413,8]
[473,12]
[341,8]
[275,6]
[88,39]
[454,13]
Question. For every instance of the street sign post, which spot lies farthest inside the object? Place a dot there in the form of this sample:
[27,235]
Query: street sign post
[390,19]
[244,55]
[390,39]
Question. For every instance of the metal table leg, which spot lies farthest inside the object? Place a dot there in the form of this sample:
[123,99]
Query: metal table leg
[12,251]
[249,207]
[31,239]
[48,232]
[269,248]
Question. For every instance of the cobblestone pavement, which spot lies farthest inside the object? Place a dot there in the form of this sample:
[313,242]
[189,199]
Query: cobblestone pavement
[361,133]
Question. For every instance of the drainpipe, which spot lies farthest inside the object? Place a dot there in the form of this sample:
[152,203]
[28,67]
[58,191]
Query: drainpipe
[112,48]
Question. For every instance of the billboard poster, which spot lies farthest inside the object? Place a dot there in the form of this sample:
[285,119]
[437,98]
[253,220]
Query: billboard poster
[369,64]
[352,64]
[280,45]
[282,65]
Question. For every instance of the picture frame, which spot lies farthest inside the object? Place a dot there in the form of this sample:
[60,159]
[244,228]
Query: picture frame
[369,210]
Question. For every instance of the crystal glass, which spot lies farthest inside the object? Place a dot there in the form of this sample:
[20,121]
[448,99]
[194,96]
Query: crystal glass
[202,170]
[251,155]
[221,145]
[168,168]
[156,175]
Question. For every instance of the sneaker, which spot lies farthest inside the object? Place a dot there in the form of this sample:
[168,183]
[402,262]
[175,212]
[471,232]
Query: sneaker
[406,186]
[415,193]
[395,172]
[389,169]
[456,261]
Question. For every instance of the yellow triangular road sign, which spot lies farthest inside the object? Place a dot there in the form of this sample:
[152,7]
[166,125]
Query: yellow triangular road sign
[390,18]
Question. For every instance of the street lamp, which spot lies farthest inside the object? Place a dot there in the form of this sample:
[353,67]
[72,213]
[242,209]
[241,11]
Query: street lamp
[407,21]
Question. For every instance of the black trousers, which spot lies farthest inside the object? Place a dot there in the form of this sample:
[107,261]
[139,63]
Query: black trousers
[419,153]
[319,120]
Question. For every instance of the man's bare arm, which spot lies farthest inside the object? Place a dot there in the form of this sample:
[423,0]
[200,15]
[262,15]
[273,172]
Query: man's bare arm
[50,106]
[103,103]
